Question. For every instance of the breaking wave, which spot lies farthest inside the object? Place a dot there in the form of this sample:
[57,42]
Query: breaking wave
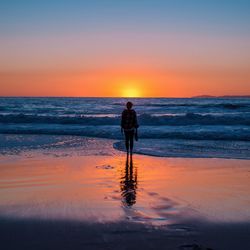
[144,119]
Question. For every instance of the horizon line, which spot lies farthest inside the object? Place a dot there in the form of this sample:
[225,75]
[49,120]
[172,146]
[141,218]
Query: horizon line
[134,97]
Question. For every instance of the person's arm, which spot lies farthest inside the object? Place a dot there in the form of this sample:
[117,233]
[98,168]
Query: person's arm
[136,121]
[122,122]
[136,127]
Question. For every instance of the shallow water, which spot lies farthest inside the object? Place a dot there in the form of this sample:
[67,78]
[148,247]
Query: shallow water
[64,184]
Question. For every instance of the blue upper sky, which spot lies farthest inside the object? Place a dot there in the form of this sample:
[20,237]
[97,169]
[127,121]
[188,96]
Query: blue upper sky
[213,16]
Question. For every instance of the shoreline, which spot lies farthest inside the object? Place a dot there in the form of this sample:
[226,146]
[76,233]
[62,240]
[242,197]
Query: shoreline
[82,194]
[169,148]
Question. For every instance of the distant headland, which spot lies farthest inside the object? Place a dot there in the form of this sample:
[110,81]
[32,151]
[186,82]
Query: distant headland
[224,96]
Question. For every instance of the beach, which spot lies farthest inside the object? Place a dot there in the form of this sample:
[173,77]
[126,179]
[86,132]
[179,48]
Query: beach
[73,192]
[125,125]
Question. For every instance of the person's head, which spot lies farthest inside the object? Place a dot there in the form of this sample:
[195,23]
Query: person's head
[129,105]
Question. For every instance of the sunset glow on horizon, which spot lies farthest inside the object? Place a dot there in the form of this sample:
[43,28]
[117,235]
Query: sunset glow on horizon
[131,92]
[124,48]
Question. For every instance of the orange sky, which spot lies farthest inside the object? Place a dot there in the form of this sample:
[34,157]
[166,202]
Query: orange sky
[89,48]
[125,83]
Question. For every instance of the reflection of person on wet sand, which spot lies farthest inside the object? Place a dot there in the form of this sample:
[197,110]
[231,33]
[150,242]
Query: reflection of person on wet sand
[129,126]
[128,183]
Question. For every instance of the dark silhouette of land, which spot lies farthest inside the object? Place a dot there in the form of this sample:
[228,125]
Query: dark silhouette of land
[223,96]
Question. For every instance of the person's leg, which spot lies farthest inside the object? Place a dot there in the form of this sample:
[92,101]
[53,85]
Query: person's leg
[126,140]
[131,141]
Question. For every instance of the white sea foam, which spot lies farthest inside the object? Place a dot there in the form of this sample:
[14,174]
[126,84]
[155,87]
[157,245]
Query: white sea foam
[190,148]
[164,119]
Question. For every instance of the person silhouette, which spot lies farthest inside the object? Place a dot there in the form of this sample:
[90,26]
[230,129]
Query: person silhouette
[128,183]
[129,126]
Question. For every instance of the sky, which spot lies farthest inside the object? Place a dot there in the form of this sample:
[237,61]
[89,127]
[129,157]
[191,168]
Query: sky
[144,48]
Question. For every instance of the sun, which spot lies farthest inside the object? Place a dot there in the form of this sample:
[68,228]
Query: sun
[130,88]
[131,92]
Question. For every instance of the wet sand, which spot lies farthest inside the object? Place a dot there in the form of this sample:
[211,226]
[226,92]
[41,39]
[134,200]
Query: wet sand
[94,198]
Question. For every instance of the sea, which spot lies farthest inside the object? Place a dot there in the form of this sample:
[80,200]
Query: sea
[170,127]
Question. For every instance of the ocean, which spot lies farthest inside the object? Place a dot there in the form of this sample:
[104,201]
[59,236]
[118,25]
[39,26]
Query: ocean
[175,127]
